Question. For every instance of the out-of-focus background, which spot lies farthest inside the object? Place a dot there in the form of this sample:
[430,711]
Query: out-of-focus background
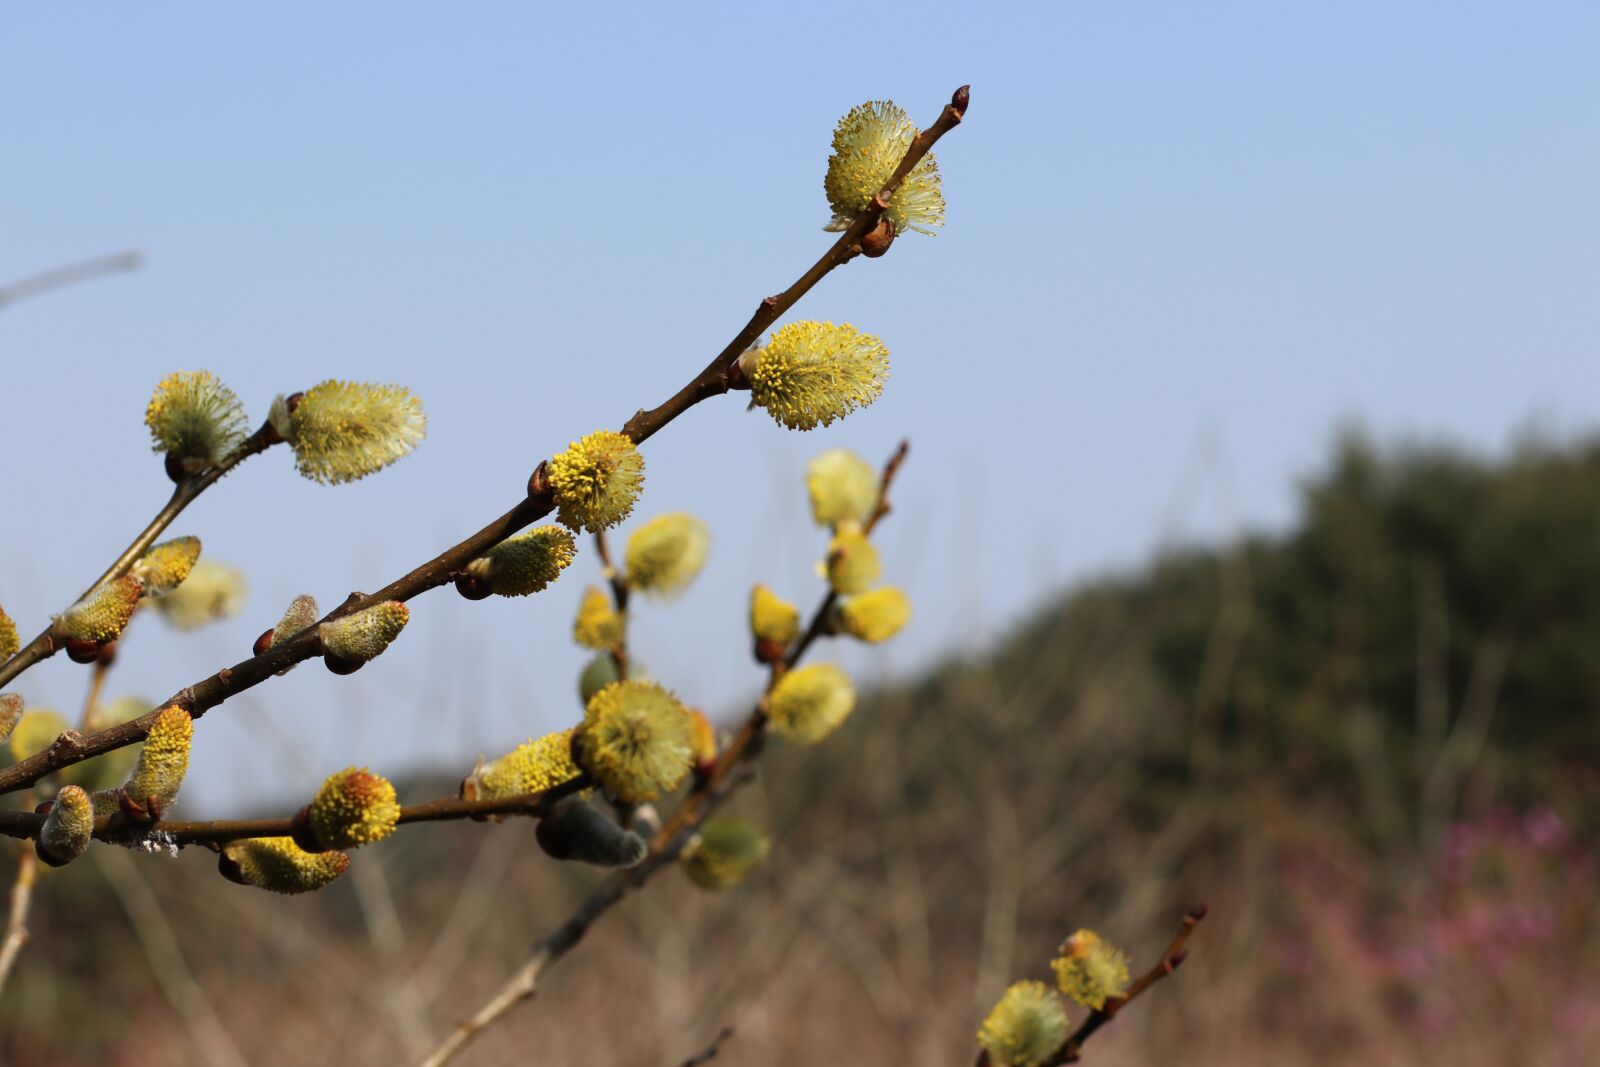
[1252,519]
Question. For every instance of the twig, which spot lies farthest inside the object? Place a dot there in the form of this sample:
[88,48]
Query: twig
[522,985]
[21,902]
[819,619]
[185,493]
[1169,962]
[71,274]
[619,597]
[165,957]
[119,828]
[726,775]
[709,1053]
[712,381]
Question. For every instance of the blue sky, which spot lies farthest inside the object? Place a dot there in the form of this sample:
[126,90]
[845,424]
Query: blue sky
[1185,244]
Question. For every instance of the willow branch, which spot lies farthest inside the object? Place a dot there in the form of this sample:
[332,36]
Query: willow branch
[1170,960]
[184,493]
[725,776]
[71,274]
[619,597]
[714,379]
[120,829]
[819,618]
[199,698]
[522,985]
[21,902]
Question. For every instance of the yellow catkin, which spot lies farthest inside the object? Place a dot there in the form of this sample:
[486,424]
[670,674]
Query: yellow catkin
[773,618]
[596,481]
[810,702]
[876,615]
[36,730]
[212,592]
[665,554]
[342,431]
[279,865]
[852,564]
[724,852]
[10,642]
[164,567]
[302,612]
[102,614]
[1089,970]
[353,808]
[811,374]
[527,563]
[531,767]
[164,760]
[868,144]
[365,634]
[598,626]
[842,486]
[705,738]
[11,708]
[196,418]
[637,740]
[67,828]
[1025,1028]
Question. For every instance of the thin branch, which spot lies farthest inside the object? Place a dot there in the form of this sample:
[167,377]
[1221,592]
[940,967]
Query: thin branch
[726,775]
[120,829]
[184,493]
[71,274]
[522,985]
[21,902]
[619,597]
[713,380]
[1169,962]
[709,1053]
[165,956]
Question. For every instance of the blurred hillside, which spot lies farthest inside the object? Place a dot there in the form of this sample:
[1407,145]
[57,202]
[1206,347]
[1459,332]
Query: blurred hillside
[1370,744]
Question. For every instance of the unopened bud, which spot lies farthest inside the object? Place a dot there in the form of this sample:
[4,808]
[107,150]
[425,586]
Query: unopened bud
[575,830]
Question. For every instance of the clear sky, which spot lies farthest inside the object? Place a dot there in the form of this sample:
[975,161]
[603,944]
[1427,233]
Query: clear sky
[1186,242]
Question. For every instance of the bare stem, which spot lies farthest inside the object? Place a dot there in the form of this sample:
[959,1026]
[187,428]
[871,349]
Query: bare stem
[21,902]
[522,985]
[184,493]
[121,830]
[619,597]
[71,274]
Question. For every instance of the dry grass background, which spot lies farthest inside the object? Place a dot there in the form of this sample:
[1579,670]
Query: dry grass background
[1372,902]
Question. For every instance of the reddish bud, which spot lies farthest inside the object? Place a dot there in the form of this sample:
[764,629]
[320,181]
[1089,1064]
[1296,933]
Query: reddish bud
[472,588]
[960,99]
[768,651]
[263,643]
[80,650]
[340,665]
[878,241]
[539,480]
[300,830]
